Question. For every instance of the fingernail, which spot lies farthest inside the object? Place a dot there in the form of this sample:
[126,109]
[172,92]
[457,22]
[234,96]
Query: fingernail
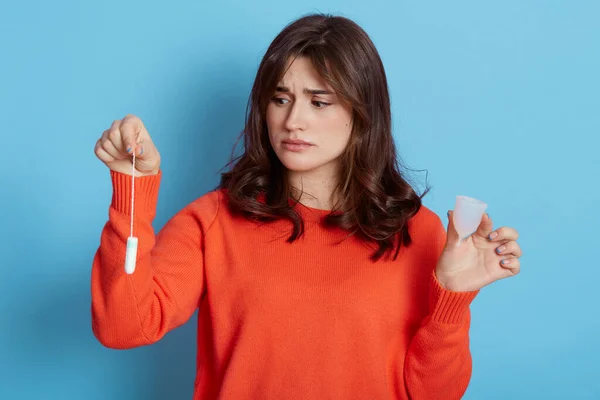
[493,235]
[500,249]
[505,262]
[129,149]
[142,150]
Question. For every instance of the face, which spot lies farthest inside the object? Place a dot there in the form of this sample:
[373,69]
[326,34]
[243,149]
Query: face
[309,126]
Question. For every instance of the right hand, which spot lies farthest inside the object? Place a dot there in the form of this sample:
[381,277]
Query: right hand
[128,134]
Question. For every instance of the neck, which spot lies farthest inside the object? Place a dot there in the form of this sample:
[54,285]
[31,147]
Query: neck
[314,188]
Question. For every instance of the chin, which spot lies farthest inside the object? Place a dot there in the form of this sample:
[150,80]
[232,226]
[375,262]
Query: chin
[300,163]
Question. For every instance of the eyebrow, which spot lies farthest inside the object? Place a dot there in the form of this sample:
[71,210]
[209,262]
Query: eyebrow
[285,89]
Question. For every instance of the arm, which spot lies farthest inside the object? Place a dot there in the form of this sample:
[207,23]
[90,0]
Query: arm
[438,362]
[166,287]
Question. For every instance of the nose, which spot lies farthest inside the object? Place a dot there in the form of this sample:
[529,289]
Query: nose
[296,118]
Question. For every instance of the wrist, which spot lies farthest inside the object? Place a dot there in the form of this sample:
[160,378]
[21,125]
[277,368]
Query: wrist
[448,306]
[446,282]
[150,173]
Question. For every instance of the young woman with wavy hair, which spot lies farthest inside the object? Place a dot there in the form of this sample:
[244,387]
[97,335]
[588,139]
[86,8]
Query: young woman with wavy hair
[316,271]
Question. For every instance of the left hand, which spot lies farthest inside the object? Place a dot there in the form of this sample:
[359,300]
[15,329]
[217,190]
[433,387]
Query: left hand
[477,261]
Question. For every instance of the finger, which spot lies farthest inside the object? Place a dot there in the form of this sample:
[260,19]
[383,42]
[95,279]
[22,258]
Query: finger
[114,135]
[509,248]
[112,150]
[140,150]
[452,235]
[131,130]
[504,233]
[101,153]
[112,144]
[486,226]
[511,263]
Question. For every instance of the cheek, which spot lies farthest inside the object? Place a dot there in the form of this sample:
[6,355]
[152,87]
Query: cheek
[271,120]
[340,128]
[269,117]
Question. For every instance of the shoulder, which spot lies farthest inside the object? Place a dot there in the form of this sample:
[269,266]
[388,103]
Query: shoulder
[425,220]
[427,229]
[203,210]
[210,202]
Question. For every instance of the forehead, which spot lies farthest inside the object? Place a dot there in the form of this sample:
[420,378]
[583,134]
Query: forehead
[301,72]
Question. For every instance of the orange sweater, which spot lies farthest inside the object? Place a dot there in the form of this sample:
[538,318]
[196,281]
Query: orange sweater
[314,319]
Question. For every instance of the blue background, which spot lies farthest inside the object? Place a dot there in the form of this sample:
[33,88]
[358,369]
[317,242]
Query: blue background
[496,100]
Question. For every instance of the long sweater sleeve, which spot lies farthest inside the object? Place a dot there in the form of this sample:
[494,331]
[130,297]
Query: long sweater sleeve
[438,364]
[167,284]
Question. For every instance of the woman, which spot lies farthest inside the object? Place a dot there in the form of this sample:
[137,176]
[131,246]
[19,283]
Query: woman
[315,269]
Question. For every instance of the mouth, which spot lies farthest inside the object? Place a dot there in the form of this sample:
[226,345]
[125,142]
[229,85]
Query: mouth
[297,141]
[296,145]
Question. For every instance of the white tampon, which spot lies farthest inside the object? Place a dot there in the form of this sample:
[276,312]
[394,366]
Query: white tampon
[131,254]
[132,242]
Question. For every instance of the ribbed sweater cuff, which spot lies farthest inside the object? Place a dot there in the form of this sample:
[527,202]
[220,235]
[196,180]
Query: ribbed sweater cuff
[145,196]
[447,306]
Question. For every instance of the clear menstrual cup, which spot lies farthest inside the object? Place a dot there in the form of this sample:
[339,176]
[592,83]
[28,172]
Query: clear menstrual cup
[467,216]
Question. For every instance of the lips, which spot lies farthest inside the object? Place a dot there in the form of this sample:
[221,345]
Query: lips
[297,142]
[296,145]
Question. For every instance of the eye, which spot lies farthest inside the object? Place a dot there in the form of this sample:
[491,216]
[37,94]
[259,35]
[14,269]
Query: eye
[320,104]
[279,100]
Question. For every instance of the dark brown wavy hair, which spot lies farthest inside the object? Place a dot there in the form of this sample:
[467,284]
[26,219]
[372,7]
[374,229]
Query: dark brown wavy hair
[376,201]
